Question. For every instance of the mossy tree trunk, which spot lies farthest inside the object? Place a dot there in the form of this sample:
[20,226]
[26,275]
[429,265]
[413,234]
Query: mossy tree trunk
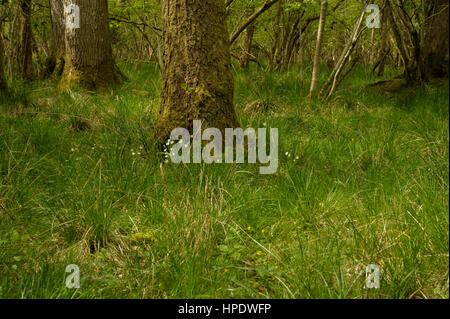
[197,80]
[25,57]
[89,59]
[56,60]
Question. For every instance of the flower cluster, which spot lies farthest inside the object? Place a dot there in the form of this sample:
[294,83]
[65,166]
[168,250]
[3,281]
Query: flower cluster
[135,152]
[289,155]
[167,149]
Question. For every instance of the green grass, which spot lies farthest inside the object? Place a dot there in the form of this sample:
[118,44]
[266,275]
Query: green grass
[370,186]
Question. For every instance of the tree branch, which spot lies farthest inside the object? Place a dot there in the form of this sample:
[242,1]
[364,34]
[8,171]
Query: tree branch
[266,6]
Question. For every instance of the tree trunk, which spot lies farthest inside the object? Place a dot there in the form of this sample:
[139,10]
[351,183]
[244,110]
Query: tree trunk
[197,80]
[26,41]
[408,41]
[276,41]
[56,60]
[244,60]
[435,43]
[301,60]
[424,51]
[292,36]
[384,49]
[89,59]
[336,75]
[3,85]
[315,73]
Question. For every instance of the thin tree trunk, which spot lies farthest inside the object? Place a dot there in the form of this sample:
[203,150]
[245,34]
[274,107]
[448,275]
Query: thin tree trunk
[290,43]
[346,72]
[244,59]
[334,77]
[26,42]
[14,42]
[276,41]
[301,62]
[197,80]
[3,86]
[89,58]
[372,46]
[56,60]
[384,49]
[316,65]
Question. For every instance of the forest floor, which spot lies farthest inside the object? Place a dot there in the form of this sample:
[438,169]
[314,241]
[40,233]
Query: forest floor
[81,183]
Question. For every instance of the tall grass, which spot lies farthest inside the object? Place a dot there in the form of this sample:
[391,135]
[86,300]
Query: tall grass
[365,182]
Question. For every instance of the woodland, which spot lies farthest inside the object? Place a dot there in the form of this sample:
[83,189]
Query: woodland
[90,91]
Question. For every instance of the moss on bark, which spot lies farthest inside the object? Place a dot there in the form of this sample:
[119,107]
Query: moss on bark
[88,54]
[197,80]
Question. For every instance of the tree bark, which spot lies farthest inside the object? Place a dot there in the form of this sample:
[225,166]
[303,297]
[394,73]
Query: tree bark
[276,41]
[384,49]
[407,38]
[26,41]
[197,80]
[89,58]
[315,73]
[244,59]
[3,85]
[290,39]
[435,43]
[301,60]
[335,77]
[56,60]
[424,51]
